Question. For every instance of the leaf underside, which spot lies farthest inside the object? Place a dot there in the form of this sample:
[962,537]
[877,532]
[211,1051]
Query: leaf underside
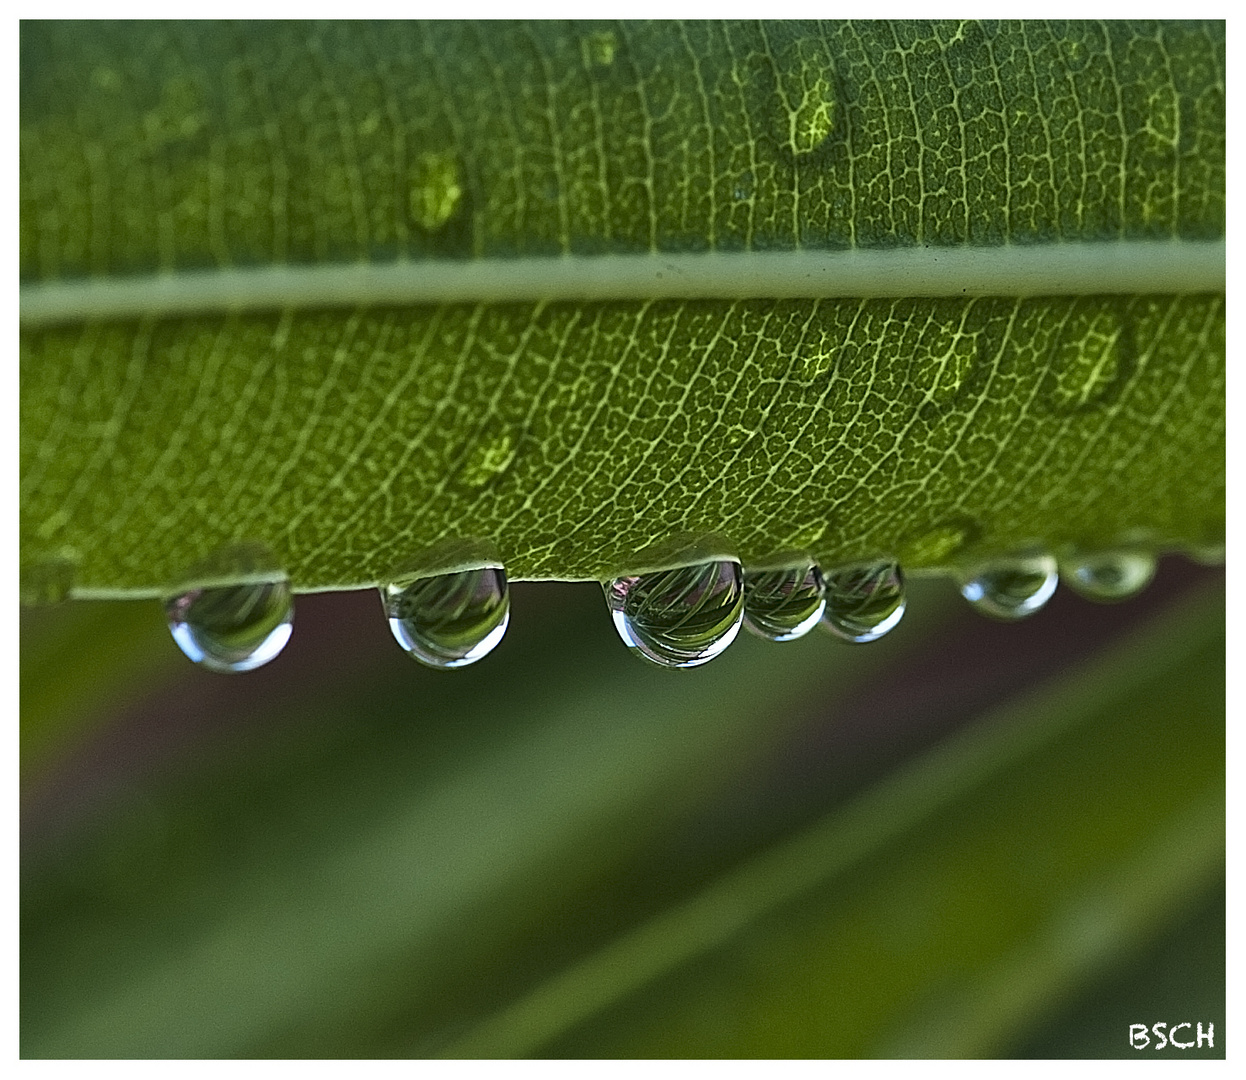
[575,435]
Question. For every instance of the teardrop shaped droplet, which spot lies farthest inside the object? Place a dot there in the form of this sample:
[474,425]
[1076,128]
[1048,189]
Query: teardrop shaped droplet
[864,601]
[679,618]
[784,604]
[1011,588]
[449,620]
[1108,576]
[238,625]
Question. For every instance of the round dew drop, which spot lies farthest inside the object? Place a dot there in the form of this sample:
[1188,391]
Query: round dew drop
[449,620]
[864,601]
[782,605]
[679,618]
[1108,576]
[1011,588]
[236,626]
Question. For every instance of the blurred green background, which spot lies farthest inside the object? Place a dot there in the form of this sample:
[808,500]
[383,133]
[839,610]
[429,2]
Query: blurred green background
[967,839]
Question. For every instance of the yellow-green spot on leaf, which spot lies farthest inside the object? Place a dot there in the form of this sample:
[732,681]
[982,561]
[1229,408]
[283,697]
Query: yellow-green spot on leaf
[599,49]
[806,538]
[489,457]
[940,370]
[436,189]
[180,113]
[48,577]
[935,546]
[806,86]
[1087,358]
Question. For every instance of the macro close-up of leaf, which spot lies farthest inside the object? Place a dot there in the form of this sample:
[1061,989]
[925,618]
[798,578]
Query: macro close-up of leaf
[315,307]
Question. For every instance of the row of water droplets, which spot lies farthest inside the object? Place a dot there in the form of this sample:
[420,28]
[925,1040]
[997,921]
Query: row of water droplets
[675,618]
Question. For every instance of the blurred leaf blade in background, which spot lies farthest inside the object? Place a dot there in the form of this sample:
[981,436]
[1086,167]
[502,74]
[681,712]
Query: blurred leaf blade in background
[928,291]
[389,870]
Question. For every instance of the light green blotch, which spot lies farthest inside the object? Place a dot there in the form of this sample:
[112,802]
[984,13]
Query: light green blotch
[941,369]
[806,86]
[933,547]
[804,539]
[1087,358]
[598,49]
[180,114]
[817,358]
[436,189]
[47,577]
[490,457]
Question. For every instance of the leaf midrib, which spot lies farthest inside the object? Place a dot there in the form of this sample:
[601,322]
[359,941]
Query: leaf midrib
[1119,267]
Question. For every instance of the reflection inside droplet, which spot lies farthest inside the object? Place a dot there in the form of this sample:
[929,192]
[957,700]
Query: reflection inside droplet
[235,626]
[1011,588]
[449,620]
[783,604]
[864,601]
[679,618]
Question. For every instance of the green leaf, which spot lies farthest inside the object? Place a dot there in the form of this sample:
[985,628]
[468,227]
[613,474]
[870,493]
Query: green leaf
[934,291]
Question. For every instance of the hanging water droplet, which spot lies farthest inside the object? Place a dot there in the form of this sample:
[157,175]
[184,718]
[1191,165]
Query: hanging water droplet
[784,604]
[864,601]
[449,620]
[1011,588]
[239,624]
[1107,576]
[679,618]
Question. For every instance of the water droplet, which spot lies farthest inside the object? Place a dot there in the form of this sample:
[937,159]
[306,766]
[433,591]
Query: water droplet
[783,604]
[1087,363]
[235,610]
[490,456]
[864,601]
[599,48]
[806,86]
[48,579]
[1109,575]
[449,620]
[679,618]
[1011,588]
[436,189]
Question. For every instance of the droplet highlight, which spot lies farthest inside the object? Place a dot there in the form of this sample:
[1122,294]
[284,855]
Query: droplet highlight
[1109,576]
[679,618]
[449,620]
[236,625]
[783,604]
[864,601]
[1011,588]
